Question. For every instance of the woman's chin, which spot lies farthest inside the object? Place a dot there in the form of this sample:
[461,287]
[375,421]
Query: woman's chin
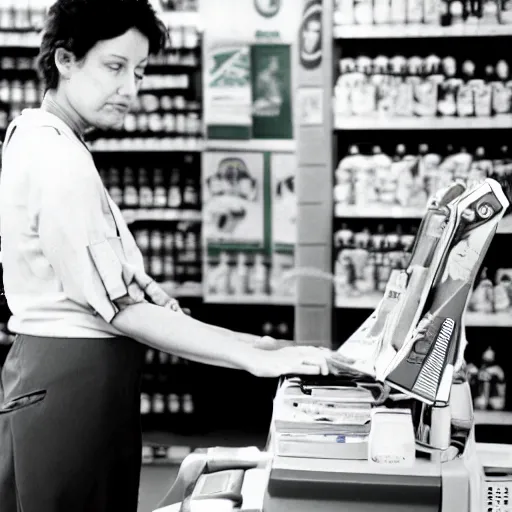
[110,125]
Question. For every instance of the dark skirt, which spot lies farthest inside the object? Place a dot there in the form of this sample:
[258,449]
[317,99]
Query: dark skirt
[70,437]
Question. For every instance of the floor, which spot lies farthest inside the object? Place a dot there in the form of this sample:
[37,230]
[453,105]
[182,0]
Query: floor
[155,482]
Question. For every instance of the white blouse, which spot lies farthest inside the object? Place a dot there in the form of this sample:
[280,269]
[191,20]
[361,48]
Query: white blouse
[63,238]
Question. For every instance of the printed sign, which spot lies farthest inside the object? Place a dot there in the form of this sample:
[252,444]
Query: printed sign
[310,36]
[227,92]
[267,8]
[271,92]
[233,202]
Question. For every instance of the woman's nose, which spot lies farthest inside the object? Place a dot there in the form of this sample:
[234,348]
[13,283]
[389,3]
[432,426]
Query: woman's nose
[129,87]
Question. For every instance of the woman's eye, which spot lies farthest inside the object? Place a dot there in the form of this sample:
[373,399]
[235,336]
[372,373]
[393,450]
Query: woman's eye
[115,67]
[139,76]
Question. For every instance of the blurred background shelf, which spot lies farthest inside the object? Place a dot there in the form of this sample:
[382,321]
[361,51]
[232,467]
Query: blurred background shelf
[422,123]
[419,31]
[164,214]
[370,301]
[493,418]
[249,299]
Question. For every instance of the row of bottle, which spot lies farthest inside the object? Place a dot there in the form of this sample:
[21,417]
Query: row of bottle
[492,297]
[430,12]
[160,404]
[186,58]
[164,82]
[186,36]
[184,123]
[152,188]
[242,274]
[488,383]
[160,143]
[409,179]
[25,15]
[364,260]
[419,86]
[149,103]
[6,337]
[30,92]
[174,57]
[171,255]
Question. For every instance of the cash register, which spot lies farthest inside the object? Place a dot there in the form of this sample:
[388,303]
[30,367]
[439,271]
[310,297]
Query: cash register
[391,428]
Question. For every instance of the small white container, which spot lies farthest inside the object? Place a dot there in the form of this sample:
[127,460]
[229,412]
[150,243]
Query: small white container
[392,441]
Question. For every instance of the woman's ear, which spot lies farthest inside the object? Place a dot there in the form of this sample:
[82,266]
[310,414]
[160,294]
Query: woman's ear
[65,62]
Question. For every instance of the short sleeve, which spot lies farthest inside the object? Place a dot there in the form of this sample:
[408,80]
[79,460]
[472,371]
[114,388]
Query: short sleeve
[74,234]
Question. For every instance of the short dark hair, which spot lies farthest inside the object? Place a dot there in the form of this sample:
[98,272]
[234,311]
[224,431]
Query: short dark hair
[77,25]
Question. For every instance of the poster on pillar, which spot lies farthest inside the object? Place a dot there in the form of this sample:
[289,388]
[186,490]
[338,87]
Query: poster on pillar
[283,167]
[235,238]
[233,200]
[271,91]
[227,91]
[249,56]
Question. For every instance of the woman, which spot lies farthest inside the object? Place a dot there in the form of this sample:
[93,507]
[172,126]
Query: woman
[83,307]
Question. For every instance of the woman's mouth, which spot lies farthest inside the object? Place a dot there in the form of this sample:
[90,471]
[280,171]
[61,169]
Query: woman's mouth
[121,108]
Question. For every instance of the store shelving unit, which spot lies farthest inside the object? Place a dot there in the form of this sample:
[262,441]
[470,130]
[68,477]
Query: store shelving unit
[330,318]
[460,41]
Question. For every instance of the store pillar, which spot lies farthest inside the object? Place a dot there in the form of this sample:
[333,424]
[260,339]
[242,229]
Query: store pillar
[314,177]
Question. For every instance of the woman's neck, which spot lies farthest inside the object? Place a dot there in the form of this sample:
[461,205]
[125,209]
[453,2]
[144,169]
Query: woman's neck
[61,109]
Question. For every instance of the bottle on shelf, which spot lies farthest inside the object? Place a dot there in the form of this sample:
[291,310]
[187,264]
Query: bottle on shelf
[258,280]
[491,387]
[146,199]
[159,189]
[482,298]
[130,192]
[174,199]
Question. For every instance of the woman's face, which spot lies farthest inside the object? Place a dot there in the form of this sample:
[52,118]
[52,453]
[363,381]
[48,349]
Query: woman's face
[102,87]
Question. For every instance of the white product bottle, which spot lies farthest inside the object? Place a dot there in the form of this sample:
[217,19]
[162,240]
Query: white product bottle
[188,404]
[173,404]
[240,276]
[258,281]
[223,274]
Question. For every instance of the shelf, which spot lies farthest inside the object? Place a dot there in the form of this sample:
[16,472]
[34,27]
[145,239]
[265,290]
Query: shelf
[377,211]
[20,39]
[370,301]
[493,417]
[419,31]
[489,320]
[287,146]
[249,300]
[164,214]
[130,145]
[351,211]
[422,123]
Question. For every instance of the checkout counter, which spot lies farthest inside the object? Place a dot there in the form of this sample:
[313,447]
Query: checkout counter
[463,477]
[394,440]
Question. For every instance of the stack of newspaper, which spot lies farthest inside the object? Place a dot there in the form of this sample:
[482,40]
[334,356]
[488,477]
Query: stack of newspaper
[330,422]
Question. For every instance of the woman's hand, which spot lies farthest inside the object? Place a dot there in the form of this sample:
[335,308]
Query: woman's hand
[289,360]
[269,343]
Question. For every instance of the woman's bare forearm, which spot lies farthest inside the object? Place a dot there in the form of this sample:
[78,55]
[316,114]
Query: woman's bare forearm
[250,339]
[183,336]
